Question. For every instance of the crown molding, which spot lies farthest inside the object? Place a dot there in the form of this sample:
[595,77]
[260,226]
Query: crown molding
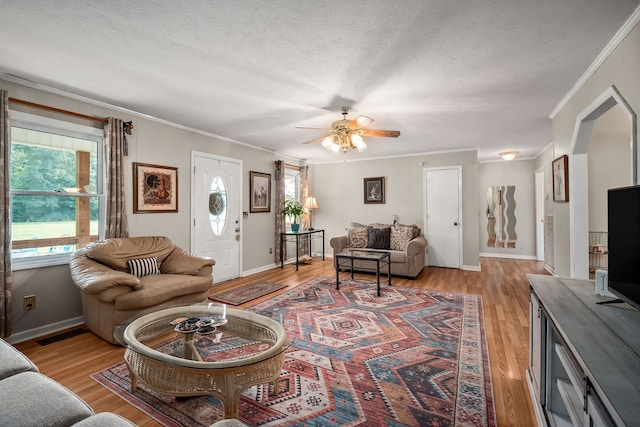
[606,52]
[12,78]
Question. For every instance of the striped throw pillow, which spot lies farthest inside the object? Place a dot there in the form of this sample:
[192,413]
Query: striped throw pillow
[144,266]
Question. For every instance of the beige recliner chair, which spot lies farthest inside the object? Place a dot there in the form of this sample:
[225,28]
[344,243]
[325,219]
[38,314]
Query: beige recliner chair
[163,276]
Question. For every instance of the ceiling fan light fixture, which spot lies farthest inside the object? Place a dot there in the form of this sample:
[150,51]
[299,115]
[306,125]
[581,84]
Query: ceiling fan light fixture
[508,155]
[357,142]
[335,147]
[348,134]
[327,142]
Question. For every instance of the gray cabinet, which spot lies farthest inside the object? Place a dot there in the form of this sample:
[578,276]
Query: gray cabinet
[584,357]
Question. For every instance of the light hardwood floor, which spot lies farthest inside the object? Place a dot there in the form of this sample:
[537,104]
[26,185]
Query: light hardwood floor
[502,283]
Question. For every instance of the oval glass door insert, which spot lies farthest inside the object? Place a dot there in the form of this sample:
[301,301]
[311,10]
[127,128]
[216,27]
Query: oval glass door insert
[218,206]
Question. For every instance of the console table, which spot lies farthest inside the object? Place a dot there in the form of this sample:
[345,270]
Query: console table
[584,365]
[291,236]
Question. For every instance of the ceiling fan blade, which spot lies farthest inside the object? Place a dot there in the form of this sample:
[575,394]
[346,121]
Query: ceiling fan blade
[326,130]
[320,138]
[380,132]
[359,122]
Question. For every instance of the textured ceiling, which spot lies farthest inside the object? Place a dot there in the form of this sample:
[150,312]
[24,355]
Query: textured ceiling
[448,74]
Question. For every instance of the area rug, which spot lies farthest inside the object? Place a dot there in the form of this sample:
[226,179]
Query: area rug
[410,357]
[247,293]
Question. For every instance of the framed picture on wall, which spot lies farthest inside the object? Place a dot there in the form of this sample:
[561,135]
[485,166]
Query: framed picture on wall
[260,191]
[155,188]
[374,190]
[560,167]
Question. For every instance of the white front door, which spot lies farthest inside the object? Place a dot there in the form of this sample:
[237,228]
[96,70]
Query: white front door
[443,228]
[216,212]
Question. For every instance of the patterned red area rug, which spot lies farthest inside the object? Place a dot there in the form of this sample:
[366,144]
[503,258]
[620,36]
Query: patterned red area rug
[410,357]
[247,293]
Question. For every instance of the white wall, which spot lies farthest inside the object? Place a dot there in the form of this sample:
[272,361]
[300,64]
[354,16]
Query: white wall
[621,69]
[608,163]
[521,174]
[339,190]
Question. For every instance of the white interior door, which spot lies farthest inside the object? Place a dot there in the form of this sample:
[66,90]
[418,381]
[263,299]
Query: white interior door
[443,213]
[540,214]
[215,214]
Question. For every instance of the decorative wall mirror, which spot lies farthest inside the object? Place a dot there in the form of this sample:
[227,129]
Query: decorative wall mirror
[501,217]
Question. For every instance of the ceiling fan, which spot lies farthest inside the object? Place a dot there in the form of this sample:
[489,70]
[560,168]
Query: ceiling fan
[346,134]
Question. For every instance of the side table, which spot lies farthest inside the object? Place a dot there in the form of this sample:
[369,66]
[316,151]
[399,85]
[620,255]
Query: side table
[290,236]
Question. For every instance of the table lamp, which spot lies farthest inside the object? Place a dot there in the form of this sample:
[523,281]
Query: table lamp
[310,204]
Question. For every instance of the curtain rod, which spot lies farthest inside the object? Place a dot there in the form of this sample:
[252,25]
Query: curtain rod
[58,110]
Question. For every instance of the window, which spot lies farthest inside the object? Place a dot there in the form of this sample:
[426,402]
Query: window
[56,189]
[291,186]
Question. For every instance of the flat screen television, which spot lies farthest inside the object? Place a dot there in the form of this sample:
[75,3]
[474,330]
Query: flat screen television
[624,243]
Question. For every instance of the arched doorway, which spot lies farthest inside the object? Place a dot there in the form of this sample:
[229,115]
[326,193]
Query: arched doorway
[578,174]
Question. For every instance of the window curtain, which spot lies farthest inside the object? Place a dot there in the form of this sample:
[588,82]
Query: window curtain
[116,221]
[303,245]
[278,207]
[5,227]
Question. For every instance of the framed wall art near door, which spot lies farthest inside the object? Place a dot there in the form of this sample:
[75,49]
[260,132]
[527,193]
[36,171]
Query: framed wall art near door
[560,167]
[374,190]
[260,191]
[155,188]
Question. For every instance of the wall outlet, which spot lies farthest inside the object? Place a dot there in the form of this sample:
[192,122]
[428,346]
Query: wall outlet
[29,302]
[270,250]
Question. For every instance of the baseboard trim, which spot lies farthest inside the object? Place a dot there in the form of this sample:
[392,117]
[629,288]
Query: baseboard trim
[259,269]
[510,256]
[471,268]
[45,330]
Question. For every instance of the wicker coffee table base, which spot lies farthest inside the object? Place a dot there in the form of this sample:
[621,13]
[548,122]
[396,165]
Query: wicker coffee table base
[227,384]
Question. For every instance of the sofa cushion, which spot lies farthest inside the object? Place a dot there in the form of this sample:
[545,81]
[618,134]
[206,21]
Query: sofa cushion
[160,288]
[378,238]
[358,237]
[144,266]
[117,251]
[400,237]
[32,399]
[414,228]
[13,361]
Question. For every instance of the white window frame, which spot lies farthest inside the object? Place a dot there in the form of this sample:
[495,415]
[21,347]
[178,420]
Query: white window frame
[295,173]
[45,124]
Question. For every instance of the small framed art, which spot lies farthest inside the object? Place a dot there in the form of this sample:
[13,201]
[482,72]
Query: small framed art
[560,167]
[260,191]
[155,188]
[374,190]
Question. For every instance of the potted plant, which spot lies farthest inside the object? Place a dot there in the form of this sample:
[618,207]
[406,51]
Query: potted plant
[293,210]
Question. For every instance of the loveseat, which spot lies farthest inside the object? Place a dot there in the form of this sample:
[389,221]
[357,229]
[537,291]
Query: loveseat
[123,278]
[405,243]
[32,399]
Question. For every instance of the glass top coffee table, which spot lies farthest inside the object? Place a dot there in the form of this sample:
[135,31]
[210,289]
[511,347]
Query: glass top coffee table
[204,349]
[377,260]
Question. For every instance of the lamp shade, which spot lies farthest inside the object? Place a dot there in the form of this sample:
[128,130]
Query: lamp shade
[310,203]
